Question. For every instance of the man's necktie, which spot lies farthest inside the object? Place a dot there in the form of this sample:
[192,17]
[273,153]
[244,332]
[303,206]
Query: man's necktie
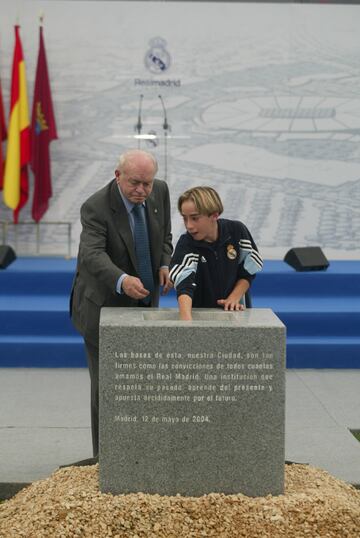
[142,249]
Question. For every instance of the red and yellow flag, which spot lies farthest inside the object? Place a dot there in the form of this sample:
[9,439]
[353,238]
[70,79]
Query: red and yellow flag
[2,137]
[16,183]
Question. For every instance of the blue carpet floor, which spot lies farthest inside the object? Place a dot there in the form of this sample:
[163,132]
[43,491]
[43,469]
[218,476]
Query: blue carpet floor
[321,311]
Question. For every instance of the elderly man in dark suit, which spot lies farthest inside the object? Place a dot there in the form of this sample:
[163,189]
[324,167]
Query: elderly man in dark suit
[124,254]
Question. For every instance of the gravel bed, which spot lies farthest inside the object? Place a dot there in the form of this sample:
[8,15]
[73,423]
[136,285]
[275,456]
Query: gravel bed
[68,504]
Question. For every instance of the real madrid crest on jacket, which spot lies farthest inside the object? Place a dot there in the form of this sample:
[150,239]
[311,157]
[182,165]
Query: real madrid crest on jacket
[208,271]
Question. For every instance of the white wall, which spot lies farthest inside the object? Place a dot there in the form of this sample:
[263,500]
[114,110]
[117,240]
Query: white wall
[263,102]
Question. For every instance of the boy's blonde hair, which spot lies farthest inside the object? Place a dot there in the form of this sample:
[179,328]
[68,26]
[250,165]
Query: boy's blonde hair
[206,200]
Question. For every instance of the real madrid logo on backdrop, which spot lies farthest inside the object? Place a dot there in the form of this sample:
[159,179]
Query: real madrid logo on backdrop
[157,58]
[231,252]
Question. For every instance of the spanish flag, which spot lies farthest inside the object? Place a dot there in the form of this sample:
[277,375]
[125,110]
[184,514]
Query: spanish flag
[3,136]
[16,184]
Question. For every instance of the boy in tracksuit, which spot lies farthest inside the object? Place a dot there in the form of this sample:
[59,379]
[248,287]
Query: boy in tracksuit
[215,262]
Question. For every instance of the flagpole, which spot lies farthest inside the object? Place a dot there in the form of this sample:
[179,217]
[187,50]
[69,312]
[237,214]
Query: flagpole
[37,238]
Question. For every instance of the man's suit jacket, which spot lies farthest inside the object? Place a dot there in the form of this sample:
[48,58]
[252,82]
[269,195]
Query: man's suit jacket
[107,250]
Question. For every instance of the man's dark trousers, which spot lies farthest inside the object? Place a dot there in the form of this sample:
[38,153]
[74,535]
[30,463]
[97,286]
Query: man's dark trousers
[92,354]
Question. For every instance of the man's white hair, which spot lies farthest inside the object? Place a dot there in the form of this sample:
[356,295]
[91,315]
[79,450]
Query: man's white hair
[130,154]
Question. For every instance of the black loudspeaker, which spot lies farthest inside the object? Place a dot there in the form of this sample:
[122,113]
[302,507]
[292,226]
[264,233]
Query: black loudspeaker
[7,256]
[306,259]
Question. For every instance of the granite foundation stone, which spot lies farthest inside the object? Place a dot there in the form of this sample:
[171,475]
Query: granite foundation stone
[191,407]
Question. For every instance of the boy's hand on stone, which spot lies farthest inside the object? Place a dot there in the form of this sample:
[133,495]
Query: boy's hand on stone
[230,304]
